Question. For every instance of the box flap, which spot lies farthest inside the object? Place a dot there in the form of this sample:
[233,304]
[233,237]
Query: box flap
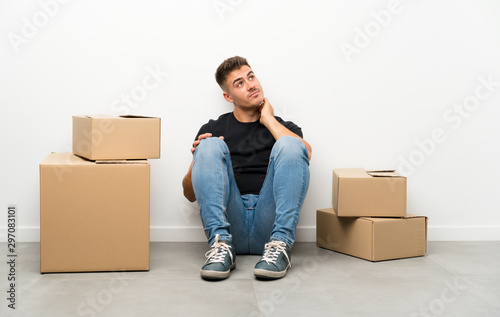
[414,216]
[72,159]
[351,172]
[64,159]
[135,116]
[121,161]
[386,219]
[388,173]
[108,116]
[97,116]
[362,173]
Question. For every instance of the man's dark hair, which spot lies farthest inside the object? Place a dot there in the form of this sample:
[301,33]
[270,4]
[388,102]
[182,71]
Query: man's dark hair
[227,67]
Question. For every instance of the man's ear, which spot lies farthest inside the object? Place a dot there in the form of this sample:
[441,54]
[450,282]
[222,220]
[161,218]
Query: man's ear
[227,97]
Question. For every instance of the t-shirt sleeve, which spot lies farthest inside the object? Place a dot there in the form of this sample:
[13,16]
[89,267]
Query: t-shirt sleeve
[292,127]
[206,128]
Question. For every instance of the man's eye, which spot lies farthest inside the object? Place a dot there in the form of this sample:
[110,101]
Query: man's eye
[238,84]
[251,77]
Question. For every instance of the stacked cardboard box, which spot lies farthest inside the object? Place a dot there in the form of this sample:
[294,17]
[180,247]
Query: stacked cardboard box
[94,202]
[369,218]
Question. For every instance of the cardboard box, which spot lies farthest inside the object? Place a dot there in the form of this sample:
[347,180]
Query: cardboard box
[104,137]
[358,193]
[94,216]
[373,239]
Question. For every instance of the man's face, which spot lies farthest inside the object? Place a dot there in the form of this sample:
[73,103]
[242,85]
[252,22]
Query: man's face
[243,88]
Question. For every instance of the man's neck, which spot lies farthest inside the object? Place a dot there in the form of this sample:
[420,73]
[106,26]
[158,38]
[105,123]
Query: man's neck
[246,115]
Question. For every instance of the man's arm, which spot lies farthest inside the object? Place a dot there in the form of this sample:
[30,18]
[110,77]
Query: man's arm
[277,129]
[187,184]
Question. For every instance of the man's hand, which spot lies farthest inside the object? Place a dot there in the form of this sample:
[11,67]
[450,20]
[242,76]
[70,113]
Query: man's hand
[266,112]
[201,137]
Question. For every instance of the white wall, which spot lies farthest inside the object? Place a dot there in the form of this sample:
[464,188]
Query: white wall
[361,100]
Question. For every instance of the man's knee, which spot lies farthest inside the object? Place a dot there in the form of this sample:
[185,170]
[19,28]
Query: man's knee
[211,146]
[290,145]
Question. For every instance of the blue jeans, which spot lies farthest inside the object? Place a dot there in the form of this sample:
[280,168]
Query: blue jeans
[250,221]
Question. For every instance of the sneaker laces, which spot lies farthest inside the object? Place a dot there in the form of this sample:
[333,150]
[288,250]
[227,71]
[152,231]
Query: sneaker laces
[273,250]
[218,252]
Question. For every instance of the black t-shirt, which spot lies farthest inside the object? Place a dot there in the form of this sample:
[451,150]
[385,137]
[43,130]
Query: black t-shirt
[250,145]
